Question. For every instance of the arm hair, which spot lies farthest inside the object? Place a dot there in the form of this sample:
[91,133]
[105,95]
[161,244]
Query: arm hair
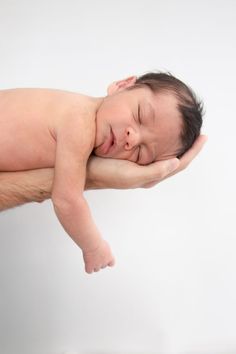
[17,188]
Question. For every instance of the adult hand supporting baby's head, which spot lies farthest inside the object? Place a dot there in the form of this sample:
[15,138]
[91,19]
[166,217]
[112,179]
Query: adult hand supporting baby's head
[176,165]
[21,187]
[124,174]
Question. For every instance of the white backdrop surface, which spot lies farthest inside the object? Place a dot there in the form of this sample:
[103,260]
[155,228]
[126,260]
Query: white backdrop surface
[173,289]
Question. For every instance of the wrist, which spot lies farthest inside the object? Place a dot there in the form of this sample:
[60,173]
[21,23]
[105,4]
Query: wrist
[93,248]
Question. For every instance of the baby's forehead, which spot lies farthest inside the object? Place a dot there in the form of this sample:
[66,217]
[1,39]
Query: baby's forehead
[161,104]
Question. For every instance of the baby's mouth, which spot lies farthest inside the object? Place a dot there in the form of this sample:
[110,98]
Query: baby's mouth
[111,140]
[108,143]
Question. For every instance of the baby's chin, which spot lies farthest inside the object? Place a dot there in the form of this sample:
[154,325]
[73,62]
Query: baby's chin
[97,149]
[97,152]
[106,149]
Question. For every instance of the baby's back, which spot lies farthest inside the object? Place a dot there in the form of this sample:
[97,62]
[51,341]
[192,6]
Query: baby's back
[28,119]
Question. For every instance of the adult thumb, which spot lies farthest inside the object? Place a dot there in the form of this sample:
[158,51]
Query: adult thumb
[173,164]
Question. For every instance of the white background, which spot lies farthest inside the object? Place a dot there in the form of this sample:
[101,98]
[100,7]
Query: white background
[173,289]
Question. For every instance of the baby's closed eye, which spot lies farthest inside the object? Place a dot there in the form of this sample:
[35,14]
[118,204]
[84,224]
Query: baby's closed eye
[143,156]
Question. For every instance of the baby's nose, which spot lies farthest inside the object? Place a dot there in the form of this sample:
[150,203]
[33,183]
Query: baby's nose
[131,138]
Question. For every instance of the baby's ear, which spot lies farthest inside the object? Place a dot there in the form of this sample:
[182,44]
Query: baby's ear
[121,84]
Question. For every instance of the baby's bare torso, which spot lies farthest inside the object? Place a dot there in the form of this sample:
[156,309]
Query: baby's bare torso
[29,119]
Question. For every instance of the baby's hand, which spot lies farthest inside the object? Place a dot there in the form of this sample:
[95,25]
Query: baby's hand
[99,258]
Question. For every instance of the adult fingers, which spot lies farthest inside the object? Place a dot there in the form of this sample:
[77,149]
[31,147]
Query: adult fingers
[161,170]
[187,158]
[157,171]
[193,151]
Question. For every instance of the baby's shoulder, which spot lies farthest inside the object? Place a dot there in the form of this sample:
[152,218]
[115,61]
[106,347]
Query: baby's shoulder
[77,126]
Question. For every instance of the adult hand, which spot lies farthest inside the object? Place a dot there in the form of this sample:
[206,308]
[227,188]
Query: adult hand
[184,161]
[123,174]
[21,187]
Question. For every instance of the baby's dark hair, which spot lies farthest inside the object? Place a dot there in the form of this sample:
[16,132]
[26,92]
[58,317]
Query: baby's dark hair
[189,106]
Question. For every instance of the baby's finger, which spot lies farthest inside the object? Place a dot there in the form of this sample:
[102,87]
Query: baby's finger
[112,263]
[89,271]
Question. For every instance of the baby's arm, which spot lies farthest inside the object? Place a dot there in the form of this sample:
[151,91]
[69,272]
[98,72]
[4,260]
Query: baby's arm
[73,149]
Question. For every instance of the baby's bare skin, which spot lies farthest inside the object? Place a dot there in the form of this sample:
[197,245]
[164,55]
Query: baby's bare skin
[51,128]
[41,128]
[29,120]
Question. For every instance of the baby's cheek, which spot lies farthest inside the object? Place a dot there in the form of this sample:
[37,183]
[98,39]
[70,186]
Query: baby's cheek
[125,155]
[165,157]
[134,155]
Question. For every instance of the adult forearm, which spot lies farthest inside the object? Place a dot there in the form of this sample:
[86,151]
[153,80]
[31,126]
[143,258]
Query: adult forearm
[17,188]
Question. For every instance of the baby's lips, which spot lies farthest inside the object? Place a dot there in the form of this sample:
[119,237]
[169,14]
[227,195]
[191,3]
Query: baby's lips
[108,143]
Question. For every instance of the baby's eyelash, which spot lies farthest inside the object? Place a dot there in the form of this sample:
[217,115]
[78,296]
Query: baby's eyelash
[139,149]
[139,119]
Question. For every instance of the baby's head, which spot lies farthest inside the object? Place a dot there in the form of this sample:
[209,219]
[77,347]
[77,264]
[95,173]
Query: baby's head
[153,117]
